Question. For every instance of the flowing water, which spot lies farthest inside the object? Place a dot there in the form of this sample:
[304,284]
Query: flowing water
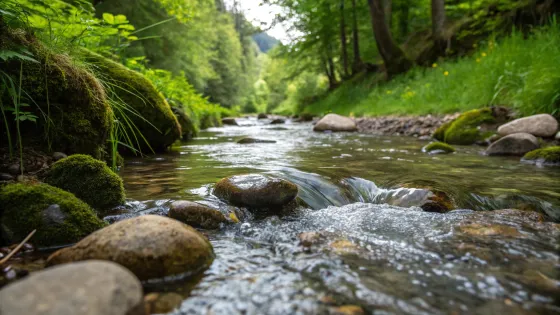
[386,259]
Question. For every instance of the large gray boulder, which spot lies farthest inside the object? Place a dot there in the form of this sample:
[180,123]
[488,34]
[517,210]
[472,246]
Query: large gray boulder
[86,288]
[150,246]
[542,125]
[334,122]
[515,144]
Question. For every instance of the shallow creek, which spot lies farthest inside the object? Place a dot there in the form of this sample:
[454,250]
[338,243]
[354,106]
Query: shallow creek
[384,258]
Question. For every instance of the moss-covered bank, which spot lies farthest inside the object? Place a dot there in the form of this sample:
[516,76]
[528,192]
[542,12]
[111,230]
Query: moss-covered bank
[466,129]
[58,216]
[89,179]
[546,156]
[70,103]
[153,117]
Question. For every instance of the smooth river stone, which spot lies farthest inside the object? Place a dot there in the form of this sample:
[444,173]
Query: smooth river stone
[256,191]
[249,140]
[196,215]
[516,144]
[229,121]
[87,288]
[150,246]
[334,122]
[542,125]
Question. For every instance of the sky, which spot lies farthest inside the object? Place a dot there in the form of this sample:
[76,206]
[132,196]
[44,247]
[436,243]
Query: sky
[257,13]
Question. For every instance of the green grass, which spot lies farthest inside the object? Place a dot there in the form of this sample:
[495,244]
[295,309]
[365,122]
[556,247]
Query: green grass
[518,72]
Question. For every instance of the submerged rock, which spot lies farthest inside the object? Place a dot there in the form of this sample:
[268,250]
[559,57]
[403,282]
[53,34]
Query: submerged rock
[88,179]
[162,303]
[196,215]
[256,191]
[88,288]
[542,125]
[229,121]
[334,122]
[438,148]
[150,246]
[513,144]
[155,120]
[544,156]
[278,121]
[58,216]
[249,140]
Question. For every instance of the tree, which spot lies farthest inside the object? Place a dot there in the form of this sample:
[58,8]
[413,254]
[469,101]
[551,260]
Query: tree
[438,25]
[344,51]
[357,62]
[394,58]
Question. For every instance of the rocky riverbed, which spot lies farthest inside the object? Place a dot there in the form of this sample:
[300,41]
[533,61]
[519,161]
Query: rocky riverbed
[296,222]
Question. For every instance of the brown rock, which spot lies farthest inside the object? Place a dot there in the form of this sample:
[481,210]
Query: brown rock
[150,246]
[195,214]
[513,144]
[334,122]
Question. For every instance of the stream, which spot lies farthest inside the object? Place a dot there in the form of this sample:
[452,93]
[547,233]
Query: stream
[370,245]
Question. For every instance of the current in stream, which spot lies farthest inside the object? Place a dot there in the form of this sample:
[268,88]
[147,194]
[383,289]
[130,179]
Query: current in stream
[385,258]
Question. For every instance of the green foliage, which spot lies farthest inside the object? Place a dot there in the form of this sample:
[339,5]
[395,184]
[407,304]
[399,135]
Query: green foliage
[517,71]
[23,207]
[88,179]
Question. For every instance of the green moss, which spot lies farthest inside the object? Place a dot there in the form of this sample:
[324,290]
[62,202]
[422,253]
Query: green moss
[188,129]
[465,129]
[550,155]
[22,210]
[157,123]
[438,146]
[89,179]
[74,101]
[439,134]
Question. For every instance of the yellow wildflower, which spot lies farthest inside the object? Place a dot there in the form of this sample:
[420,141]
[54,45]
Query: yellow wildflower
[446,73]
[483,54]
[434,65]
[477,59]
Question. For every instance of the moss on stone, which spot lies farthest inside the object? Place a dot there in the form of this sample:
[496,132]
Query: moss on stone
[155,120]
[439,134]
[438,146]
[89,179]
[550,155]
[79,116]
[22,210]
[465,129]
[188,128]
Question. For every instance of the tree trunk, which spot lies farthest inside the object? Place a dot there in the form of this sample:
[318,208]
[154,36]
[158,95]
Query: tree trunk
[388,10]
[357,63]
[343,40]
[403,19]
[394,58]
[438,25]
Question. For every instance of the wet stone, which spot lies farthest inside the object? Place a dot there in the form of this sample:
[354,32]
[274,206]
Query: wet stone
[87,288]
[162,303]
[6,177]
[249,140]
[262,116]
[229,121]
[150,246]
[514,144]
[334,122]
[59,156]
[196,215]
[542,125]
[278,121]
[53,215]
[256,191]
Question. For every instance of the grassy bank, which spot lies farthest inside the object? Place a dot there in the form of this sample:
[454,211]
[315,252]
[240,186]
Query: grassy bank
[518,72]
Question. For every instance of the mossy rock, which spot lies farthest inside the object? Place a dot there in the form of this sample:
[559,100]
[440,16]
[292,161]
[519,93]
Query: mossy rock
[155,120]
[79,116]
[58,216]
[544,156]
[188,129]
[438,147]
[89,179]
[466,129]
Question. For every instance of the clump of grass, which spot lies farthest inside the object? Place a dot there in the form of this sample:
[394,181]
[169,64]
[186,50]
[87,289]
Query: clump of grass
[516,71]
